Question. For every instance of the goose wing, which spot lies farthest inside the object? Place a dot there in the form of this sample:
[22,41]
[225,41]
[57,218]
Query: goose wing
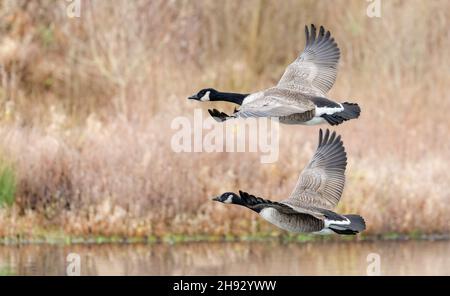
[315,70]
[321,183]
[274,104]
[288,208]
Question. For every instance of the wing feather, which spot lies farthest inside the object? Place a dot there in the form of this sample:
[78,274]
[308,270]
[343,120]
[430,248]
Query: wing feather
[314,71]
[272,106]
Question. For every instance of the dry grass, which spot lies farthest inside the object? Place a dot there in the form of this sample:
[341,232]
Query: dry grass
[86,106]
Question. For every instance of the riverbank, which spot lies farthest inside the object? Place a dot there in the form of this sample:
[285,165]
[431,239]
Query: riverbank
[63,239]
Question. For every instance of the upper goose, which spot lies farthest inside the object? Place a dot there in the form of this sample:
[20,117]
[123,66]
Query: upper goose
[318,190]
[300,95]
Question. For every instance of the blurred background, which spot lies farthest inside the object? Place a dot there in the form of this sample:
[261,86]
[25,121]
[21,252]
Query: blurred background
[86,105]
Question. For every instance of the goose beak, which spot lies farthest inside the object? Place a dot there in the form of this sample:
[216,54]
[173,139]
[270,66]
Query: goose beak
[215,198]
[193,97]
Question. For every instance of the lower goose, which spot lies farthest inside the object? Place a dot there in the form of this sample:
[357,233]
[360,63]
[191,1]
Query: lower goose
[310,206]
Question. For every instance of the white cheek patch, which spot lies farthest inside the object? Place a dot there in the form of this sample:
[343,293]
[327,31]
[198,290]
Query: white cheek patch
[229,199]
[205,97]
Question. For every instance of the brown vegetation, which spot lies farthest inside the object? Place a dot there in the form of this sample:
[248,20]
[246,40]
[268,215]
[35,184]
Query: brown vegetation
[86,105]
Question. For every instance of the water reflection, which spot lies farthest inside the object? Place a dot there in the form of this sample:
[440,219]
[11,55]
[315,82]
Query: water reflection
[269,258]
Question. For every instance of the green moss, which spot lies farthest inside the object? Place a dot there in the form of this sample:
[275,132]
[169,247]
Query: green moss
[133,240]
[415,234]
[391,236]
[7,185]
[173,238]
[47,35]
[6,270]
[48,82]
[152,239]
[101,240]
[304,238]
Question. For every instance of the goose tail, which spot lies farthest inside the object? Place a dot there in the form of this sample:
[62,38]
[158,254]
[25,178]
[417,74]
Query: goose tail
[357,224]
[351,111]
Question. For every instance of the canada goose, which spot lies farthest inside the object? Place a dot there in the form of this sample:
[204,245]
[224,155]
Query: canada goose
[300,96]
[318,190]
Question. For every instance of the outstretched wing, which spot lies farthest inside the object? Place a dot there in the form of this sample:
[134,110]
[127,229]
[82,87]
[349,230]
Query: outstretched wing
[275,102]
[322,181]
[315,70]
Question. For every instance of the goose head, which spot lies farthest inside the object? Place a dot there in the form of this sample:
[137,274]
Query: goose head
[206,94]
[228,198]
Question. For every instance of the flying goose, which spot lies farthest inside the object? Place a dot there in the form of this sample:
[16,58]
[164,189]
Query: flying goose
[310,206]
[300,95]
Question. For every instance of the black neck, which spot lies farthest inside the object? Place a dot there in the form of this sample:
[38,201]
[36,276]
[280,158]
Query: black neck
[228,97]
[253,207]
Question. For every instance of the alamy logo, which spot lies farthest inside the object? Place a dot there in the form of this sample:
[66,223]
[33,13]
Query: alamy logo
[206,135]
[374,8]
[374,264]
[73,264]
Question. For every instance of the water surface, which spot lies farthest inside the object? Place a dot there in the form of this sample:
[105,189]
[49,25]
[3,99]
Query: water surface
[243,258]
